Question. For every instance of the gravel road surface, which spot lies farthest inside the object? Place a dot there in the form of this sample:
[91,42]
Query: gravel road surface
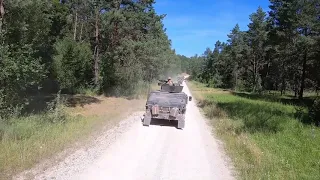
[158,152]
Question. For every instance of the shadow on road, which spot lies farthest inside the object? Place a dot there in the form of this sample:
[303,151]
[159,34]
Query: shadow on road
[160,122]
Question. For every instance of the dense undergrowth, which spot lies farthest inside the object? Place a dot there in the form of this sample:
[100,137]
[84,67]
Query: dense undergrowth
[265,139]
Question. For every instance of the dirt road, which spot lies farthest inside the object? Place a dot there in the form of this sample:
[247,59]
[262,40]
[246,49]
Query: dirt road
[160,151]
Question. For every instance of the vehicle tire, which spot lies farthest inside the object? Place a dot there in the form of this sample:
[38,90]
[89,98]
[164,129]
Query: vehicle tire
[147,119]
[181,122]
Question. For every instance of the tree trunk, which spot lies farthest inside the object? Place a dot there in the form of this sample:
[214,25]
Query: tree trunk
[81,30]
[303,77]
[2,8]
[254,73]
[236,77]
[75,27]
[96,52]
[1,14]
[266,79]
[283,78]
[96,66]
[283,86]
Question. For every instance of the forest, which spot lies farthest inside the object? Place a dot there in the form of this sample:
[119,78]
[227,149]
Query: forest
[260,87]
[111,47]
[280,51]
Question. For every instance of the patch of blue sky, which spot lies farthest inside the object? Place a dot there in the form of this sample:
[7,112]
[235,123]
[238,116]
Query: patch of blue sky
[194,25]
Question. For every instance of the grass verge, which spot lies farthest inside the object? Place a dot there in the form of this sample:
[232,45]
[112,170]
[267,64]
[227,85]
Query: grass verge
[264,139]
[27,140]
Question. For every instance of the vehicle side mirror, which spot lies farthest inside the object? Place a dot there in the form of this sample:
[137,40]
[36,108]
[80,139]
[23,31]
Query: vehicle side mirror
[190,98]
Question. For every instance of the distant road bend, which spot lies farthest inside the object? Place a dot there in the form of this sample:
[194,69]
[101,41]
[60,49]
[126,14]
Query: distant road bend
[155,152]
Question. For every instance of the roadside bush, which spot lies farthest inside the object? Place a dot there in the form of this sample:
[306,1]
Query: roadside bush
[88,91]
[262,122]
[212,111]
[19,70]
[314,112]
[56,110]
[19,127]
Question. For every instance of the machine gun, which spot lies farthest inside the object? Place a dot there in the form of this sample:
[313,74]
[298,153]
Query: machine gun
[161,82]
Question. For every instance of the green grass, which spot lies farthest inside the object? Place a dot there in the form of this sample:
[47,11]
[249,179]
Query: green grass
[263,137]
[87,91]
[27,140]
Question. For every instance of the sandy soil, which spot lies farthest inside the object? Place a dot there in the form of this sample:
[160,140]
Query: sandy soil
[160,151]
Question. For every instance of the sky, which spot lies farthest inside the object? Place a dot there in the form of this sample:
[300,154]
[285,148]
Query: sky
[194,25]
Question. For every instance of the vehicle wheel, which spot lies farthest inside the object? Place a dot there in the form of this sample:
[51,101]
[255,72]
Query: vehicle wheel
[181,122]
[147,119]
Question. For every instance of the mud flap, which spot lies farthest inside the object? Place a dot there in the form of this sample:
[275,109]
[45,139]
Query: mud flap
[147,119]
[181,121]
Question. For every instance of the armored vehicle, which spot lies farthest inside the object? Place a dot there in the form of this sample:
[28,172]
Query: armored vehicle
[168,103]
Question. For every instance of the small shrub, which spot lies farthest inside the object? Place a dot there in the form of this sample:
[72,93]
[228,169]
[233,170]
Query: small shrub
[88,91]
[22,128]
[56,110]
[302,115]
[212,111]
[314,112]
[3,127]
[261,122]
[203,103]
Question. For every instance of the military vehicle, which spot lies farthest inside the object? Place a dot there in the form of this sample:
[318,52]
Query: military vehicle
[168,103]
